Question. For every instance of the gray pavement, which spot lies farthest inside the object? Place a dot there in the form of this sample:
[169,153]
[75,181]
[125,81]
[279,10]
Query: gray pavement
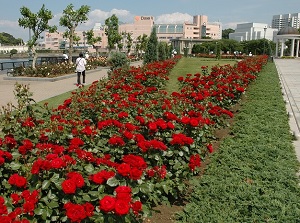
[46,88]
[289,75]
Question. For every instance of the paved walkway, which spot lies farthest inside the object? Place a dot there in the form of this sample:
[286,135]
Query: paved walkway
[46,89]
[288,70]
[289,74]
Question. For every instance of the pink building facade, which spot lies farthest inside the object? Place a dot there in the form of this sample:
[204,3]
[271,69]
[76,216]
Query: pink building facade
[200,28]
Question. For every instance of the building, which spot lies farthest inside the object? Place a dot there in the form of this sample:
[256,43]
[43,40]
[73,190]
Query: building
[253,31]
[19,48]
[283,20]
[56,41]
[199,29]
[141,25]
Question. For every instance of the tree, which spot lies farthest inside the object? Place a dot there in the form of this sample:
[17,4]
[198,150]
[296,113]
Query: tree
[151,49]
[141,44]
[92,40]
[129,42]
[112,32]
[7,39]
[12,52]
[37,24]
[225,33]
[162,51]
[71,19]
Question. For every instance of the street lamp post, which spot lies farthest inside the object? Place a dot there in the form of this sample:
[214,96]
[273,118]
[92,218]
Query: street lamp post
[265,29]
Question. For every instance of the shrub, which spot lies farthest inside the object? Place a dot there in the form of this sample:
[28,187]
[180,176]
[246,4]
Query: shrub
[118,60]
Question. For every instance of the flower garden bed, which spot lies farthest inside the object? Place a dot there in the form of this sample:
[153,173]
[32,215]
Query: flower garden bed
[113,151]
[54,70]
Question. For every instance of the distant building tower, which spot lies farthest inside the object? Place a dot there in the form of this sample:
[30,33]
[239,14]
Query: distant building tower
[284,20]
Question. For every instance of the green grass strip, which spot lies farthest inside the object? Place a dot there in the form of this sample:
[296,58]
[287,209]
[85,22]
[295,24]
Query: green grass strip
[191,65]
[252,177]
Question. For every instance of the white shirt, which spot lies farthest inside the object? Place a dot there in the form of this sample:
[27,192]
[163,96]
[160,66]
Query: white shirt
[80,64]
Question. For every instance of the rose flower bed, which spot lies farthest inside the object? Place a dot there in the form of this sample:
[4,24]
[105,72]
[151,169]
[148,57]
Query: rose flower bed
[51,70]
[113,151]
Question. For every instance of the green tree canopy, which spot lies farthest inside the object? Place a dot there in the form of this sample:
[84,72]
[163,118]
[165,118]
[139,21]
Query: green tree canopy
[151,53]
[37,24]
[92,40]
[8,39]
[141,44]
[112,32]
[70,19]
[225,33]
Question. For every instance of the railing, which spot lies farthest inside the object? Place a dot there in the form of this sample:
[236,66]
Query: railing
[18,63]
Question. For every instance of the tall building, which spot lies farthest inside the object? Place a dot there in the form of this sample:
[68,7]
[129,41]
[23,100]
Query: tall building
[284,20]
[253,31]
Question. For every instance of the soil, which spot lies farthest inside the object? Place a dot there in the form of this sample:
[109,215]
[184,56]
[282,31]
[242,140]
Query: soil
[166,214]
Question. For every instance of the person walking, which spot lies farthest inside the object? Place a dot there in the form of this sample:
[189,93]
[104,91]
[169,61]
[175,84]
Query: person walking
[80,69]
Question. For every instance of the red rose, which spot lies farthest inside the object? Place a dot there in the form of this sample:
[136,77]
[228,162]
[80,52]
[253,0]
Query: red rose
[77,178]
[123,193]
[69,186]
[152,126]
[15,198]
[124,169]
[210,148]
[122,207]
[17,180]
[75,212]
[29,207]
[136,206]
[135,174]
[107,203]
[89,209]
[57,163]
[194,122]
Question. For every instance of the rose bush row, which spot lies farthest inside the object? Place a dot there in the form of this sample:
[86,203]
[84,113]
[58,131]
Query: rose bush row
[57,69]
[114,150]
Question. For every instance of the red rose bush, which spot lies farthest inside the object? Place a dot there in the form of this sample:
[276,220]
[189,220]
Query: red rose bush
[114,150]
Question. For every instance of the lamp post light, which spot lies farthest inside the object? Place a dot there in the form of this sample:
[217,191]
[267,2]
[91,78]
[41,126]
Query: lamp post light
[265,29]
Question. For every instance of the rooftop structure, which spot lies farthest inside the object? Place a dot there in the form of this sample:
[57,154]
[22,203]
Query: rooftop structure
[284,20]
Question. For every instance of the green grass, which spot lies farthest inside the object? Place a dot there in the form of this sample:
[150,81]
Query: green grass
[191,65]
[53,102]
[252,177]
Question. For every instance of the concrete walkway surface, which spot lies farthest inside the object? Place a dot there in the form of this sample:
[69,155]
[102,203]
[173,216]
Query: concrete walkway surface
[289,75]
[46,89]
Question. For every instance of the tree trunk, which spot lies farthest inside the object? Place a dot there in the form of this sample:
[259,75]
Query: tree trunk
[71,41]
[34,57]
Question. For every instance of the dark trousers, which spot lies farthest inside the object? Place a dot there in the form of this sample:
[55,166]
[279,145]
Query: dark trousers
[83,77]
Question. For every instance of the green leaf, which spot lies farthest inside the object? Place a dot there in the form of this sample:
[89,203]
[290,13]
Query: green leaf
[146,188]
[89,168]
[53,204]
[51,195]
[113,182]
[46,184]
[166,189]
[38,211]
[15,166]
[86,197]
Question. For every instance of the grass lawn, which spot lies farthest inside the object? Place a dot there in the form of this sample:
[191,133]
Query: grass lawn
[252,176]
[191,65]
